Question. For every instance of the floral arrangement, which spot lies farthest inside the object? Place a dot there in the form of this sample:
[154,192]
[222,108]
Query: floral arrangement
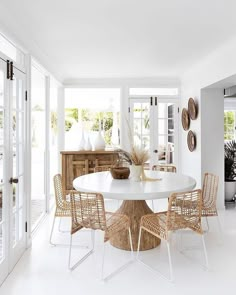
[137,156]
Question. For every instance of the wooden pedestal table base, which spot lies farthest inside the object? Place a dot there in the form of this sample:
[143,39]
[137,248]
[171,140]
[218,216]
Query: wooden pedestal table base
[135,210]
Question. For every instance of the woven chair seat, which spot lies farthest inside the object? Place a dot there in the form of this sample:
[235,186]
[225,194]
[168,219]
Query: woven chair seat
[157,223]
[88,212]
[115,223]
[184,212]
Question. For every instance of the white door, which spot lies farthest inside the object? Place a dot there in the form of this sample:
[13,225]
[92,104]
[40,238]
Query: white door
[13,209]
[16,165]
[154,126]
[4,206]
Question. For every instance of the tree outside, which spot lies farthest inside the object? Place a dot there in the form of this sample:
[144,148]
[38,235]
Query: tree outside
[91,121]
[229,125]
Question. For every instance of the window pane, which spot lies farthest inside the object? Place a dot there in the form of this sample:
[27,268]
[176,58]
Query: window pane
[89,110]
[229,125]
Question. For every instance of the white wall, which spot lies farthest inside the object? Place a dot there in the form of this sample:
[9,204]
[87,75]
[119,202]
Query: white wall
[212,133]
[216,69]
[191,161]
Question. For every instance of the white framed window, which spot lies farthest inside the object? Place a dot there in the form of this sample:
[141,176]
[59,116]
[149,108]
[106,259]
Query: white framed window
[229,125]
[90,110]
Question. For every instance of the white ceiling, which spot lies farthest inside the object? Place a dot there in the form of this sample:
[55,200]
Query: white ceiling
[123,38]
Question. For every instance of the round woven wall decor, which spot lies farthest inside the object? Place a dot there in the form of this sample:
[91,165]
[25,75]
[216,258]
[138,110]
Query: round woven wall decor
[191,140]
[192,109]
[185,119]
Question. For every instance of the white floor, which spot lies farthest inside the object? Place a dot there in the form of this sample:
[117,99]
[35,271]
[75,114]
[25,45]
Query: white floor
[43,268]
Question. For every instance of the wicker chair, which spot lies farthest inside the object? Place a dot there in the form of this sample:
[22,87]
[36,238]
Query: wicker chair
[164,167]
[209,195]
[179,216]
[88,211]
[63,207]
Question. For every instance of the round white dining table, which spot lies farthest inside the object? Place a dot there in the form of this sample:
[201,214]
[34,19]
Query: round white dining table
[134,195]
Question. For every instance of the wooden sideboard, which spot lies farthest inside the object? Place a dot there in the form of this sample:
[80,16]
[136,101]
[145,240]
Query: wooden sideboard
[77,163]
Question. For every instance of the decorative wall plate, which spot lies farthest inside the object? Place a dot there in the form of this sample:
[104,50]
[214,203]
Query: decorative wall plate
[191,139]
[185,119]
[192,109]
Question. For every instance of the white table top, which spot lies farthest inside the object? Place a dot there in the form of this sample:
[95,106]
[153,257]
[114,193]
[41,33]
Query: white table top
[127,189]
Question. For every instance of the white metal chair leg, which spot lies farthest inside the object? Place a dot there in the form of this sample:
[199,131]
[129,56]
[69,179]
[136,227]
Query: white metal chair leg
[72,267]
[122,267]
[59,227]
[139,239]
[103,258]
[170,261]
[220,229]
[205,252]
[93,238]
[207,224]
[53,223]
[70,252]
[131,244]
[149,267]
[180,243]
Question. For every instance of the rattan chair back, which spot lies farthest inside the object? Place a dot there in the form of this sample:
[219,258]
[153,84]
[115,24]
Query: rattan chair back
[87,210]
[184,211]
[209,193]
[62,206]
[164,167]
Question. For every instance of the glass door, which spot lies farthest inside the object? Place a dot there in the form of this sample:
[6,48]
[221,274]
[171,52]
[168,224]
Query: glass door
[16,167]
[153,124]
[165,133]
[38,146]
[12,193]
[4,221]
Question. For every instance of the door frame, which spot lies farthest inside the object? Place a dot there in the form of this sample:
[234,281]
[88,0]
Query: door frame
[12,255]
[153,113]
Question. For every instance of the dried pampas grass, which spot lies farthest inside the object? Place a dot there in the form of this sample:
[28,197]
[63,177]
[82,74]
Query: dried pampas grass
[138,155]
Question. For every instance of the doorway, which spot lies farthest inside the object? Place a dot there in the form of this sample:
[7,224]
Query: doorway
[13,224]
[154,127]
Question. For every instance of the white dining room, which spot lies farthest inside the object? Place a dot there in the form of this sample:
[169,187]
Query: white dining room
[117,147]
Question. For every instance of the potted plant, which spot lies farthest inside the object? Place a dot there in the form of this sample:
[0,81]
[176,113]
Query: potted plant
[230,170]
